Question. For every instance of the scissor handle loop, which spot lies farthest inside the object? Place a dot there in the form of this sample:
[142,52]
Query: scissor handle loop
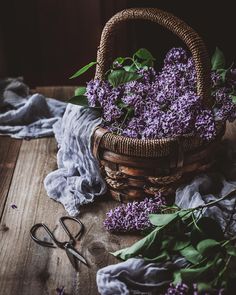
[59,244]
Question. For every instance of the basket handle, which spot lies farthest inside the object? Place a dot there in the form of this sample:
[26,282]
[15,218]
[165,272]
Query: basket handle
[170,22]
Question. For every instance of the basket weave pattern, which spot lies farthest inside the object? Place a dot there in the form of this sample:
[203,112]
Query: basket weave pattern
[135,168]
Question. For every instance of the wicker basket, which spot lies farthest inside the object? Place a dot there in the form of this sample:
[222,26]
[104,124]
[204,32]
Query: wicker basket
[135,168]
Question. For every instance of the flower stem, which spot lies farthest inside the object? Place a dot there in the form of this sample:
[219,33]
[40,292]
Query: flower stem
[212,203]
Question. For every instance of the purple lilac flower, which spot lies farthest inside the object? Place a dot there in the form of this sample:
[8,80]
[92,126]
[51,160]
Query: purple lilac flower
[97,92]
[134,128]
[60,290]
[147,75]
[111,112]
[176,55]
[184,289]
[116,65]
[133,216]
[231,77]
[165,103]
[205,124]
[225,108]
[216,79]
[179,289]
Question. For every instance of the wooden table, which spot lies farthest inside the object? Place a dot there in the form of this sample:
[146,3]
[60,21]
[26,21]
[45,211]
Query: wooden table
[25,267]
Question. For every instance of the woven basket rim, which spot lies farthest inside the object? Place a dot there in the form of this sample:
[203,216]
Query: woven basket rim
[143,140]
[219,126]
[150,147]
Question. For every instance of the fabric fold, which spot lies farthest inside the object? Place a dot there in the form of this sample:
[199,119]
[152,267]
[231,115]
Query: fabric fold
[78,179]
[27,116]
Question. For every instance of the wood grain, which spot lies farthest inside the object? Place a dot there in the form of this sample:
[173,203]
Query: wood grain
[60,93]
[230,133]
[27,268]
[97,243]
[9,150]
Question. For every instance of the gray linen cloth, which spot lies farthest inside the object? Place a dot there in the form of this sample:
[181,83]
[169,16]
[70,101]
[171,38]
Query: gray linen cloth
[124,278]
[78,179]
[136,276]
[26,116]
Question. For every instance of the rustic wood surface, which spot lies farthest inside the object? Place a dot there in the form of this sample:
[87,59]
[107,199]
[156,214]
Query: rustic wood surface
[9,150]
[25,267]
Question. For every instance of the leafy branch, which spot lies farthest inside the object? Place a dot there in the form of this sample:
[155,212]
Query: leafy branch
[122,71]
[201,242]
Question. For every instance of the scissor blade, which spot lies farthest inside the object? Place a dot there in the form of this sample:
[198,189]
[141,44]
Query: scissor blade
[74,256]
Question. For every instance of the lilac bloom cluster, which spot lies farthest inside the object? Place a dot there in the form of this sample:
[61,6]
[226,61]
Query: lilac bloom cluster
[165,103]
[133,216]
[178,289]
[183,289]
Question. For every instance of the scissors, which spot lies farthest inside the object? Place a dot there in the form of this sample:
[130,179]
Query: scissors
[73,255]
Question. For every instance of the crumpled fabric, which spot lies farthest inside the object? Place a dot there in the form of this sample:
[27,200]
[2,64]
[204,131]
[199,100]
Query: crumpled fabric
[123,278]
[207,188]
[27,116]
[136,276]
[78,179]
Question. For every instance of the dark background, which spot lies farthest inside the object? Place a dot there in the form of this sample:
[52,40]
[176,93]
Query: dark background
[48,40]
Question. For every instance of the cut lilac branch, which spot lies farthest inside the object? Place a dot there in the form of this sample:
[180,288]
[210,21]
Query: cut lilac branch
[133,216]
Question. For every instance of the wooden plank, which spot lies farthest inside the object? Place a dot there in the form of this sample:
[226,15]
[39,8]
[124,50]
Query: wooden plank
[27,268]
[230,133]
[97,243]
[9,150]
[58,92]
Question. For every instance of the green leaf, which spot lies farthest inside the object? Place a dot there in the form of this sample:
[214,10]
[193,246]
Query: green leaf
[120,77]
[209,229]
[208,247]
[223,74]
[132,68]
[130,111]
[218,60]
[185,214]
[233,98]
[231,250]
[204,287]
[144,54]
[83,70]
[147,63]
[120,60]
[138,247]
[79,100]
[162,219]
[167,242]
[177,277]
[191,254]
[163,256]
[179,245]
[193,275]
[122,105]
[80,91]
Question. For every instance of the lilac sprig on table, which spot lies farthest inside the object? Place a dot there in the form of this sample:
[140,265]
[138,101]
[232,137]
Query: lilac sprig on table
[139,102]
[199,240]
[179,289]
[133,216]
[184,289]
